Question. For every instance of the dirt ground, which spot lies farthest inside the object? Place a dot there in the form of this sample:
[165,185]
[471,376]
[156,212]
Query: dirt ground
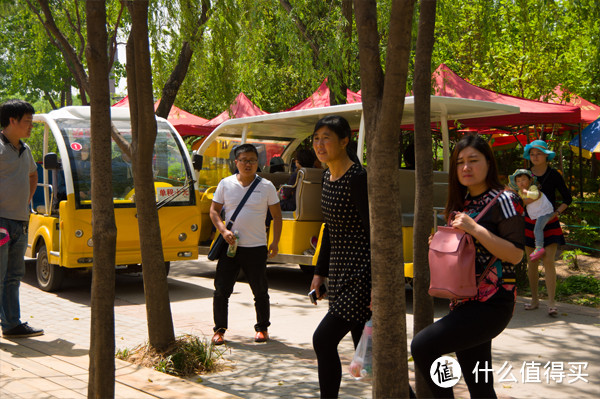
[587,265]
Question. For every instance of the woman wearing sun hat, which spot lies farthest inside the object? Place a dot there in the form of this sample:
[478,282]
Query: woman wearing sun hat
[550,180]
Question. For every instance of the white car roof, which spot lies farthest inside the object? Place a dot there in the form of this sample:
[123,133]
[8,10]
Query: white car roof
[300,124]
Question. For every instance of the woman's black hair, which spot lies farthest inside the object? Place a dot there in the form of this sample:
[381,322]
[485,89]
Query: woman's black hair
[340,126]
[457,191]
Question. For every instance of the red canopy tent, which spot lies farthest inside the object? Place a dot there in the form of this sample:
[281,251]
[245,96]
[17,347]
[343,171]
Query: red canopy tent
[589,111]
[186,124]
[241,107]
[448,83]
[352,97]
[320,98]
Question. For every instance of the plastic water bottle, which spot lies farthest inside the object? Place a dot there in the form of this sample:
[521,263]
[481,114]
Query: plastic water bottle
[232,249]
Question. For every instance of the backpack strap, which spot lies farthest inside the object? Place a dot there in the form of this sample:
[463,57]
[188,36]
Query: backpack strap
[488,206]
[483,211]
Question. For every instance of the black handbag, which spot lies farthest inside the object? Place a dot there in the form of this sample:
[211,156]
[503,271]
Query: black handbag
[219,245]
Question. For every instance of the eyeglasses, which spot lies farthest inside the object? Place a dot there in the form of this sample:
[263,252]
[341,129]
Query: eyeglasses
[248,161]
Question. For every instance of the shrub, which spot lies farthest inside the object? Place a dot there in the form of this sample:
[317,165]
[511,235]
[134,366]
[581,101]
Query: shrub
[587,285]
[188,356]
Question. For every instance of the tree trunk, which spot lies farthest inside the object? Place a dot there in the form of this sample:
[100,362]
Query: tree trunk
[423,223]
[102,341]
[143,125]
[383,104]
[175,80]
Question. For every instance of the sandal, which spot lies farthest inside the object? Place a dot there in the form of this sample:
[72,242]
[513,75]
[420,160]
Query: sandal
[552,311]
[529,306]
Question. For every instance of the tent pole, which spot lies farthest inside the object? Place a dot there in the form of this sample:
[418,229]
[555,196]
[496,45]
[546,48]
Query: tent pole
[580,165]
[361,139]
[244,134]
[445,138]
[571,155]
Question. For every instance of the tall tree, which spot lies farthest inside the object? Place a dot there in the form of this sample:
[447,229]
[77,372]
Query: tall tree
[422,302]
[69,36]
[193,21]
[143,133]
[101,383]
[383,104]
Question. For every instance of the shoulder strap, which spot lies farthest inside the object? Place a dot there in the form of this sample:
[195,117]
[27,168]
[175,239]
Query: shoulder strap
[488,206]
[243,201]
[484,210]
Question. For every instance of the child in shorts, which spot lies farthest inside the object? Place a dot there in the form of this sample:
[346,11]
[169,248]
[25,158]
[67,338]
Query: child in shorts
[539,208]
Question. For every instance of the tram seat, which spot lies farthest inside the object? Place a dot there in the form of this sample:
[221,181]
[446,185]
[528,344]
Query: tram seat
[278,178]
[308,195]
[407,194]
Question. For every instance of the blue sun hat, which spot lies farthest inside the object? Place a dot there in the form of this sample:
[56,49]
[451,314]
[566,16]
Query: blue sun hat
[539,145]
[512,183]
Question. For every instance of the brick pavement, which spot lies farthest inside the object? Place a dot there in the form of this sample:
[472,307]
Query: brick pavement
[284,367]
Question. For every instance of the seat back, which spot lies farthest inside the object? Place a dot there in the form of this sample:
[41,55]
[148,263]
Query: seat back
[308,194]
[407,193]
[277,178]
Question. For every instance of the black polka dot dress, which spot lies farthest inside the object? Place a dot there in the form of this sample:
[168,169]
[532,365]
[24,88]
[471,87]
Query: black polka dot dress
[349,251]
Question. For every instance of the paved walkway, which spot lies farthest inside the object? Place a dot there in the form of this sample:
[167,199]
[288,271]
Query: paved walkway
[55,365]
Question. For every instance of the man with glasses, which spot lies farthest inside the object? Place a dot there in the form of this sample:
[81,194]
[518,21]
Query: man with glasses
[252,252]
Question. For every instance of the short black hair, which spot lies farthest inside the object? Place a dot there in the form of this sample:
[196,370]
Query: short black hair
[338,124]
[245,148]
[14,109]
[306,158]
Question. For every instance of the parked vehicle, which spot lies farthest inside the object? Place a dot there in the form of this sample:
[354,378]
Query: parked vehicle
[285,131]
[60,229]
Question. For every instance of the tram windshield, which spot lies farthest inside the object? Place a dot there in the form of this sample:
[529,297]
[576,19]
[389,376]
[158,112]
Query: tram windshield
[172,176]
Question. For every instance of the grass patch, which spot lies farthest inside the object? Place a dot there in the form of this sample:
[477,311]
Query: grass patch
[580,290]
[188,356]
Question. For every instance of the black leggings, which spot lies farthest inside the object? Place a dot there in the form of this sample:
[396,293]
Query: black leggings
[326,338]
[467,330]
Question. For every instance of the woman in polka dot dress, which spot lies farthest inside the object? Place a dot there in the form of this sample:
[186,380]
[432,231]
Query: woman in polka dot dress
[345,250]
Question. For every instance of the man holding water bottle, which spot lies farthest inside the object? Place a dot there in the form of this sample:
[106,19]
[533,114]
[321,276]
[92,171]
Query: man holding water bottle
[251,240]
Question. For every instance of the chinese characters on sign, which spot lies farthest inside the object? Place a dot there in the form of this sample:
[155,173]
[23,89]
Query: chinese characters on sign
[445,372]
[537,372]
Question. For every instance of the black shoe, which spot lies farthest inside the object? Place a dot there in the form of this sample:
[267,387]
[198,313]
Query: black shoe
[22,331]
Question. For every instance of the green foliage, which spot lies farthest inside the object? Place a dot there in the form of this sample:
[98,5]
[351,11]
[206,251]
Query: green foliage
[188,356]
[523,48]
[32,67]
[586,290]
[586,212]
[571,258]
[176,171]
[584,235]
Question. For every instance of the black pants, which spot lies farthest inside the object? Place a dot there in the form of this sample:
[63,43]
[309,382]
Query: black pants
[253,261]
[467,330]
[326,339]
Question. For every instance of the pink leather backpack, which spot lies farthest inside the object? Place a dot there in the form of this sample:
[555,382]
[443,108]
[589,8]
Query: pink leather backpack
[452,262]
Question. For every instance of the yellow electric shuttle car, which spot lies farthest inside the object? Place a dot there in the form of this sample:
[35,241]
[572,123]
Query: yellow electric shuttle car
[60,229]
[280,134]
